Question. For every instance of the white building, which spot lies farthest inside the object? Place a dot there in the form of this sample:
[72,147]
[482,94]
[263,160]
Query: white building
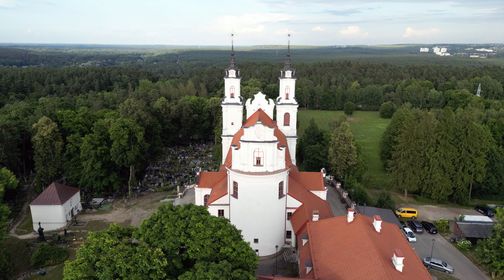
[258,187]
[55,206]
[424,50]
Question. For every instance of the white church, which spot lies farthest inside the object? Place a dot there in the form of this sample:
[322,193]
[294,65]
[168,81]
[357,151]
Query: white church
[258,186]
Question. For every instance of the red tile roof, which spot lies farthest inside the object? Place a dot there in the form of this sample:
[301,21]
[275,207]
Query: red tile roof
[55,194]
[259,116]
[313,181]
[310,202]
[217,181]
[342,250]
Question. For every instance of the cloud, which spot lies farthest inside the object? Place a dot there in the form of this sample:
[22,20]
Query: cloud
[248,23]
[344,12]
[318,29]
[353,30]
[411,32]
[7,3]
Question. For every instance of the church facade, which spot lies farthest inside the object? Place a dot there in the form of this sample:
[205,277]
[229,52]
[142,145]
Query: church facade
[258,186]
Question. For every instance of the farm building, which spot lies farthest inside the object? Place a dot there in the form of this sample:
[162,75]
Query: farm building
[55,206]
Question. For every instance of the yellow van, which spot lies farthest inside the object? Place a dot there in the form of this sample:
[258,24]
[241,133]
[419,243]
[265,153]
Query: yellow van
[405,212]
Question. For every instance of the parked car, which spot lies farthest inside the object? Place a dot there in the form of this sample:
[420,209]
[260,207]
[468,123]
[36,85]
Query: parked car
[485,210]
[416,226]
[409,234]
[429,227]
[437,264]
[405,212]
[403,224]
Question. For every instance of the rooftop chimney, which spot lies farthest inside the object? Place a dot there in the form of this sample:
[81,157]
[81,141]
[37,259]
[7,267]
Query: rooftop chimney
[308,266]
[398,260]
[350,215]
[377,223]
[304,238]
[315,215]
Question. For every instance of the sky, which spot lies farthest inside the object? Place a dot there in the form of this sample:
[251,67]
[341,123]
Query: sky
[255,22]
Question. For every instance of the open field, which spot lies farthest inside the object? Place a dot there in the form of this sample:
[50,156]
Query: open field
[367,128]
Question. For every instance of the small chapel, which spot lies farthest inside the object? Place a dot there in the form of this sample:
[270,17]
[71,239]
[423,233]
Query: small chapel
[258,186]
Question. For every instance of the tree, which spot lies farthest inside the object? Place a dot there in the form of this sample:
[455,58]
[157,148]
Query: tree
[491,250]
[48,150]
[312,148]
[387,110]
[343,157]
[7,181]
[99,172]
[349,108]
[183,242]
[115,254]
[390,136]
[128,145]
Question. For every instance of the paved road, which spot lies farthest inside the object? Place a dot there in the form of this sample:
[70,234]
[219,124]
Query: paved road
[338,208]
[464,268]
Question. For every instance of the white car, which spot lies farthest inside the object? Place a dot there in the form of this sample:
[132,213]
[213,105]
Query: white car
[409,234]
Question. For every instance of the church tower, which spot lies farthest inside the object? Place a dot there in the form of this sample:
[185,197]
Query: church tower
[286,104]
[232,105]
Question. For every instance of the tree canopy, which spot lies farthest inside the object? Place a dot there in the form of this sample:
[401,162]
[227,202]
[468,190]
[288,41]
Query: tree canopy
[176,242]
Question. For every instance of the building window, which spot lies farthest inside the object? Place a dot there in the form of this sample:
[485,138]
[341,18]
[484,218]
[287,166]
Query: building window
[286,119]
[235,189]
[281,190]
[232,91]
[256,240]
[287,92]
[205,199]
[288,234]
[258,157]
[289,215]
[220,213]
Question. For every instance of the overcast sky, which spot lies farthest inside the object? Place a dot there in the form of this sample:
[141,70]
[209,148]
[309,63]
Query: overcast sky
[255,22]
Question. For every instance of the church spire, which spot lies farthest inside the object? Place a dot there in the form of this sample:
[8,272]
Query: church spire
[288,71]
[288,57]
[232,63]
[232,71]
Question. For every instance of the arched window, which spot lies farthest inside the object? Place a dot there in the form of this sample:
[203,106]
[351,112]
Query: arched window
[205,199]
[287,92]
[232,91]
[235,190]
[281,190]
[286,119]
[258,157]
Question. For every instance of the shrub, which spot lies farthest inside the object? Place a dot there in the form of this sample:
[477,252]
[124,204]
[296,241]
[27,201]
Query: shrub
[349,108]
[387,110]
[385,201]
[47,254]
[464,244]
[443,226]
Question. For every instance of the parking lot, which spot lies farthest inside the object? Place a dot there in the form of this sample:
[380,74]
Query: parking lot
[464,268]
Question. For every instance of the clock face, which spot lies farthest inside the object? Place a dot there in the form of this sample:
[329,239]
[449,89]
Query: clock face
[232,73]
[288,74]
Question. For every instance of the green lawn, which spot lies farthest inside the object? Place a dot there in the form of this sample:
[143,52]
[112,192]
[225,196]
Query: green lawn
[367,128]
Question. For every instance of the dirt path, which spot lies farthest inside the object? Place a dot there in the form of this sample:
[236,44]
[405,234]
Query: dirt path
[432,212]
[128,212]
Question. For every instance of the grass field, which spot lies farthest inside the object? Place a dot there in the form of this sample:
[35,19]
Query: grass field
[367,128]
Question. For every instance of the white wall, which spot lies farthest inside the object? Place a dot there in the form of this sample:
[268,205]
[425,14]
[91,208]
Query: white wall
[258,212]
[51,217]
[291,84]
[260,101]
[199,194]
[258,138]
[321,194]
[54,217]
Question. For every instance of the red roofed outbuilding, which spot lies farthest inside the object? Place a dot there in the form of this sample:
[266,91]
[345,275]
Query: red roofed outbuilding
[55,206]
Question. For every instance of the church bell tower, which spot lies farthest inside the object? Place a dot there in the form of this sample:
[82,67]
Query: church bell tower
[286,104]
[232,105]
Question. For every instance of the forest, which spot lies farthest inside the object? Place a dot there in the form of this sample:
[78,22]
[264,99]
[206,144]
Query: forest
[98,126]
